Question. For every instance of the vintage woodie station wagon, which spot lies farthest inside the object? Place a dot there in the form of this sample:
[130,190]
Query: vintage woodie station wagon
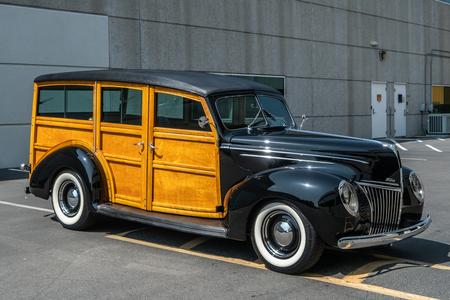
[217,156]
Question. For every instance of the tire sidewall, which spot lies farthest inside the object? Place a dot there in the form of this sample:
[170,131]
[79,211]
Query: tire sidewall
[79,219]
[302,254]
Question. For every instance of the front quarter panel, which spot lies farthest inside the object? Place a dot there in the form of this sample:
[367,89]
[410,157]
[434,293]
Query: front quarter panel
[314,192]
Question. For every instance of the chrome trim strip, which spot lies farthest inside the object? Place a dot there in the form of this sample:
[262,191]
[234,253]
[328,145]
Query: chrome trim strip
[401,184]
[270,151]
[391,188]
[364,241]
[381,182]
[286,158]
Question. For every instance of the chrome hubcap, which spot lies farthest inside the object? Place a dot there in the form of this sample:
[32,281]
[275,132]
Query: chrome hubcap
[69,198]
[280,234]
[283,233]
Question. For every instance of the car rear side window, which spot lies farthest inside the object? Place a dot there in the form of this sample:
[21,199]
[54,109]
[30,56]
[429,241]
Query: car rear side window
[122,105]
[178,112]
[65,101]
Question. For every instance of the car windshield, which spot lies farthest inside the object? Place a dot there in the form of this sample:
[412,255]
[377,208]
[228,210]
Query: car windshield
[247,111]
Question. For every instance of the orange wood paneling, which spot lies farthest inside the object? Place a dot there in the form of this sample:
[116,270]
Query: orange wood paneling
[185,168]
[126,159]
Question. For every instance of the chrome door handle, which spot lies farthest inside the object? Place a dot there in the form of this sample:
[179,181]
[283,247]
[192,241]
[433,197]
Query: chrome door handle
[152,147]
[140,144]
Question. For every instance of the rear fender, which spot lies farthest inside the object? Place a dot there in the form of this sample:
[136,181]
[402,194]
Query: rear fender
[76,159]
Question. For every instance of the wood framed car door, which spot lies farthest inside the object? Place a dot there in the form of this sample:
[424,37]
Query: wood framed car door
[121,138]
[184,159]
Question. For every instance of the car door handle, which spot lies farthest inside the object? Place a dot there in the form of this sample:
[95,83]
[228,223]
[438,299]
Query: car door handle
[140,144]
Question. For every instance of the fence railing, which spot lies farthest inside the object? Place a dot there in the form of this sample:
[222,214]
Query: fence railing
[438,123]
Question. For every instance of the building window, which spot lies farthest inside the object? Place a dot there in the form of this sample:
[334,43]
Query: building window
[441,99]
[276,82]
[74,102]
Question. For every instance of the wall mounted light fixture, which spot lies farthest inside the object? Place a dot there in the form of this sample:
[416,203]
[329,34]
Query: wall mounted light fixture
[382,55]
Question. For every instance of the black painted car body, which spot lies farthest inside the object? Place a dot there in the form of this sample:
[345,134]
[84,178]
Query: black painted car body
[306,168]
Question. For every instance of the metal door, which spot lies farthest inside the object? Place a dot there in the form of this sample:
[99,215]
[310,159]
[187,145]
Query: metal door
[378,106]
[400,109]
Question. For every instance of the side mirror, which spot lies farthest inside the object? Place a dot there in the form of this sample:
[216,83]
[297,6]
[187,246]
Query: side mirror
[203,122]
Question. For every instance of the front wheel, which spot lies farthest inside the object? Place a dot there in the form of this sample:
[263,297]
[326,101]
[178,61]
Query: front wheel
[284,239]
[71,200]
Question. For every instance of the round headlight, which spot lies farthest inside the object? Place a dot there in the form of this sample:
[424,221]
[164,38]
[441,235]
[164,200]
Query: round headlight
[349,197]
[416,186]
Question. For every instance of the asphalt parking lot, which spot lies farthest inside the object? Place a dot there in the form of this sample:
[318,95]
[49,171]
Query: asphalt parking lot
[116,259]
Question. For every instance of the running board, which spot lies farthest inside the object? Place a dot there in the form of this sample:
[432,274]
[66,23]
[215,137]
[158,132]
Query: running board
[202,226]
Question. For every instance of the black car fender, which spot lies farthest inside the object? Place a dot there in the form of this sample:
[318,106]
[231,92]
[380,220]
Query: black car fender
[76,159]
[313,191]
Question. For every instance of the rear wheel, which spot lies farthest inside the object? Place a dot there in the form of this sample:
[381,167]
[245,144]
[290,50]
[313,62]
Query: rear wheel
[284,239]
[71,200]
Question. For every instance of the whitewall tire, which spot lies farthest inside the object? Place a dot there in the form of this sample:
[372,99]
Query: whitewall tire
[284,239]
[71,200]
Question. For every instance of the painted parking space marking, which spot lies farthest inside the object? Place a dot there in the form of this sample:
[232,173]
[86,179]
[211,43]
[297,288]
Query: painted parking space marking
[433,148]
[398,145]
[194,243]
[361,273]
[419,141]
[442,140]
[26,206]
[232,260]
[376,289]
[257,265]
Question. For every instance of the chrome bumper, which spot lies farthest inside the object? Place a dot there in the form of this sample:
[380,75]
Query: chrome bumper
[363,241]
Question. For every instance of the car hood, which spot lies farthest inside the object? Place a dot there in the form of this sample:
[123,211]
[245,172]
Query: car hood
[370,160]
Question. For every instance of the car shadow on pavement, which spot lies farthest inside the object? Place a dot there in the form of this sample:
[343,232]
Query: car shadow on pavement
[419,249]
[414,252]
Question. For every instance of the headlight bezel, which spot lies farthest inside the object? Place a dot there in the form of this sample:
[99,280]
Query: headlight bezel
[349,197]
[416,185]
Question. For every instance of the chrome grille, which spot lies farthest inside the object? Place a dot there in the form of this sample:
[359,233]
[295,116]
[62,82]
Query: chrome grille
[385,207]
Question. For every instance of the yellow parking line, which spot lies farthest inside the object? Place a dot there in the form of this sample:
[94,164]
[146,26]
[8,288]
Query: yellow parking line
[367,287]
[364,271]
[195,242]
[317,277]
[186,251]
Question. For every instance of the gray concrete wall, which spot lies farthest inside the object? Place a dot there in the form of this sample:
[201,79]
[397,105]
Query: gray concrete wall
[34,42]
[320,46]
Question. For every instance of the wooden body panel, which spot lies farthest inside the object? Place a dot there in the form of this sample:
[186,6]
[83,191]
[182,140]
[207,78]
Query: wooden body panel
[184,173]
[181,176]
[185,167]
[120,146]
[49,133]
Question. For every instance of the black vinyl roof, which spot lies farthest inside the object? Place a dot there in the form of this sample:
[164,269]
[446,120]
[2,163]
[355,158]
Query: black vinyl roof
[199,83]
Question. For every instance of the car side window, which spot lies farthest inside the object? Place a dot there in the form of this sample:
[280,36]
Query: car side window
[122,105]
[178,112]
[73,102]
